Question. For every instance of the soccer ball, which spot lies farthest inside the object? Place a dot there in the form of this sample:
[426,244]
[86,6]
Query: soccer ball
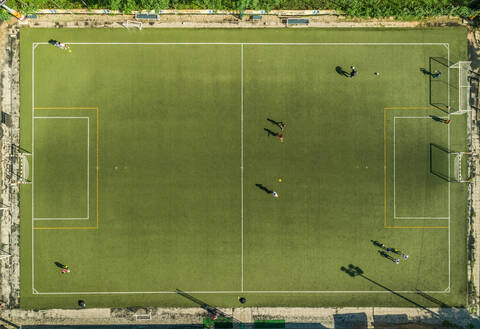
[279,180]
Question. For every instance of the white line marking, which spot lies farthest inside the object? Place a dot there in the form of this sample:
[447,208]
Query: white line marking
[33,162]
[58,218]
[460,86]
[241,155]
[423,117]
[35,44]
[236,292]
[421,217]
[52,117]
[394,172]
[257,43]
[88,169]
[394,167]
[449,147]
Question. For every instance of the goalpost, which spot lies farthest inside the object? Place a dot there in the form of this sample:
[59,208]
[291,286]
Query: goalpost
[24,169]
[20,170]
[133,24]
[464,69]
[4,254]
[449,165]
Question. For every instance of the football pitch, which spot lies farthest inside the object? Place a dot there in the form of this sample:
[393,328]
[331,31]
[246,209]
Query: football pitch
[152,156]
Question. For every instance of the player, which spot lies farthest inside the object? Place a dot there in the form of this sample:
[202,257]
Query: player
[353,73]
[61,45]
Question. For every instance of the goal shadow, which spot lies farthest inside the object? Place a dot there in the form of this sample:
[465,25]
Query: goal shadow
[439,87]
[448,165]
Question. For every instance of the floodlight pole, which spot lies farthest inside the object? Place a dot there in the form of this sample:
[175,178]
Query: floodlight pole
[15,13]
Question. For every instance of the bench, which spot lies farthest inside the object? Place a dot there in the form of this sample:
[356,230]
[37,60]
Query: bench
[146,16]
[297,21]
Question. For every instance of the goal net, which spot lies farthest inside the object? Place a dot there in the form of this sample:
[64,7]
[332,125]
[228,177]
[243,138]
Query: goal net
[20,170]
[460,73]
[449,85]
[25,170]
[133,24]
[449,165]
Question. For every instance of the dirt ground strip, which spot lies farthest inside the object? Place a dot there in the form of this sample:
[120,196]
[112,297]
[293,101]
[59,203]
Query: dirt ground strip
[224,21]
[12,317]
[10,221]
[294,317]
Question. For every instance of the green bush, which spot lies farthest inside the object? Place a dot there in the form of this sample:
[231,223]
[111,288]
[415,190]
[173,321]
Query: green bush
[400,9]
[4,15]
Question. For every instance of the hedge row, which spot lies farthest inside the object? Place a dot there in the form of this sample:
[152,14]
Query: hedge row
[400,9]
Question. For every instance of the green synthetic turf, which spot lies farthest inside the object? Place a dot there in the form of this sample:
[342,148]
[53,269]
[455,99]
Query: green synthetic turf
[174,149]
[61,192]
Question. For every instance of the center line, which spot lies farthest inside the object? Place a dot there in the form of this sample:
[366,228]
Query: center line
[241,152]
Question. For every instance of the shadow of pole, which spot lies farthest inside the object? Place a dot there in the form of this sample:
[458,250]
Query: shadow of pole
[354,271]
[19,148]
[9,323]
[432,299]
[213,311]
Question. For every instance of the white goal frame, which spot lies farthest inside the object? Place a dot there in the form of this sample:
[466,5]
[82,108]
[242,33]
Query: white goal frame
[135,24]
[464,69]
[457,168]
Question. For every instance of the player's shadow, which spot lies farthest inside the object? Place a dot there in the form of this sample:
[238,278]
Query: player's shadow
[341,71]
[437,119]
[263,188]
[425,71]
[377,244]
[355,271]
[52,42]
[270,132]
[276,123]
[60,265]
[385,255]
